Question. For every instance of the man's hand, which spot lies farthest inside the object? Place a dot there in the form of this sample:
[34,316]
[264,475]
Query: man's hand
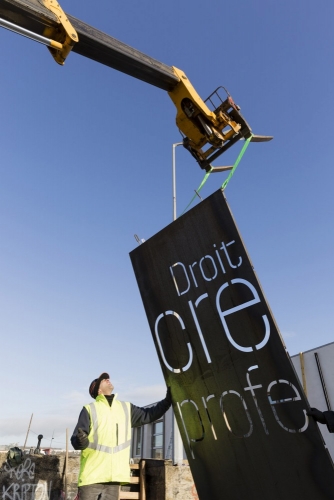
[82,438]
[317,415]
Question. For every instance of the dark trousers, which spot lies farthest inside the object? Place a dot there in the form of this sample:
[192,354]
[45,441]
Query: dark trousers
[101,491]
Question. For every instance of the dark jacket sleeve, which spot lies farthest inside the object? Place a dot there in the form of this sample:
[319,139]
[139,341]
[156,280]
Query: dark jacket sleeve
[84,424]
[142,416]
[329,420]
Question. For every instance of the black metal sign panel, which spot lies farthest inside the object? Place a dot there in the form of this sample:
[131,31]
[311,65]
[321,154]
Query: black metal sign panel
[239,405]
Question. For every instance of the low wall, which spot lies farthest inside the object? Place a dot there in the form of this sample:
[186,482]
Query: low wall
[39,477]
[164,481]
[42,477]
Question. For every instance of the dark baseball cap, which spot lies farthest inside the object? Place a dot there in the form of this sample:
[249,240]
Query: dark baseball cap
[95,385]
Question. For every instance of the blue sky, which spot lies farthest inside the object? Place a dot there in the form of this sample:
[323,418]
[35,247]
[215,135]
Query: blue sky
[86,164]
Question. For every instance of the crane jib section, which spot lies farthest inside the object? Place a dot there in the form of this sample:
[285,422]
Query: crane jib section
[33,15]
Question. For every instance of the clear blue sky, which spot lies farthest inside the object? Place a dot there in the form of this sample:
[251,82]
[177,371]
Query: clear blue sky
[86,164]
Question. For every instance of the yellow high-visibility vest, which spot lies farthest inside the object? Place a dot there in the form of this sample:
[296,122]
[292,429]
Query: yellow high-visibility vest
[108,454]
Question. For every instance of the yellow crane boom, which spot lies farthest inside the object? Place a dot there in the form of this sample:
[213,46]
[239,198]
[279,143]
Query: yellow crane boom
[207,133]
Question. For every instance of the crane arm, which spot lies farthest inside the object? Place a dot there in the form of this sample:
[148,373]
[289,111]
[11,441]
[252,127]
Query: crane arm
[207,133]
[105,49]
[34,16]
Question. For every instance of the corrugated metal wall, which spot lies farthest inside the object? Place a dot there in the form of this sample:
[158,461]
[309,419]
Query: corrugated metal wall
[314,386]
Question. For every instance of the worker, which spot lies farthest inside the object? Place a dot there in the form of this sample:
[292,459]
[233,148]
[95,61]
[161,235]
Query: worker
[323,417]
[103,434]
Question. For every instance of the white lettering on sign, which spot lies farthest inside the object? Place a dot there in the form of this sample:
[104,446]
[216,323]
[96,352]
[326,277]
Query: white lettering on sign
[226,398]
[199,331]
[205,269]
[229,403]
[296,398]
[198,415]
[251,388]
[208,414]
[224,247]
[235,309]
[185,275]
[247,434]
[174,370]
[222,315]
[203,265]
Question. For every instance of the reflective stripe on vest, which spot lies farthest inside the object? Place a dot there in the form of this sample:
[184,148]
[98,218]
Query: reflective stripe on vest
[95,424]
